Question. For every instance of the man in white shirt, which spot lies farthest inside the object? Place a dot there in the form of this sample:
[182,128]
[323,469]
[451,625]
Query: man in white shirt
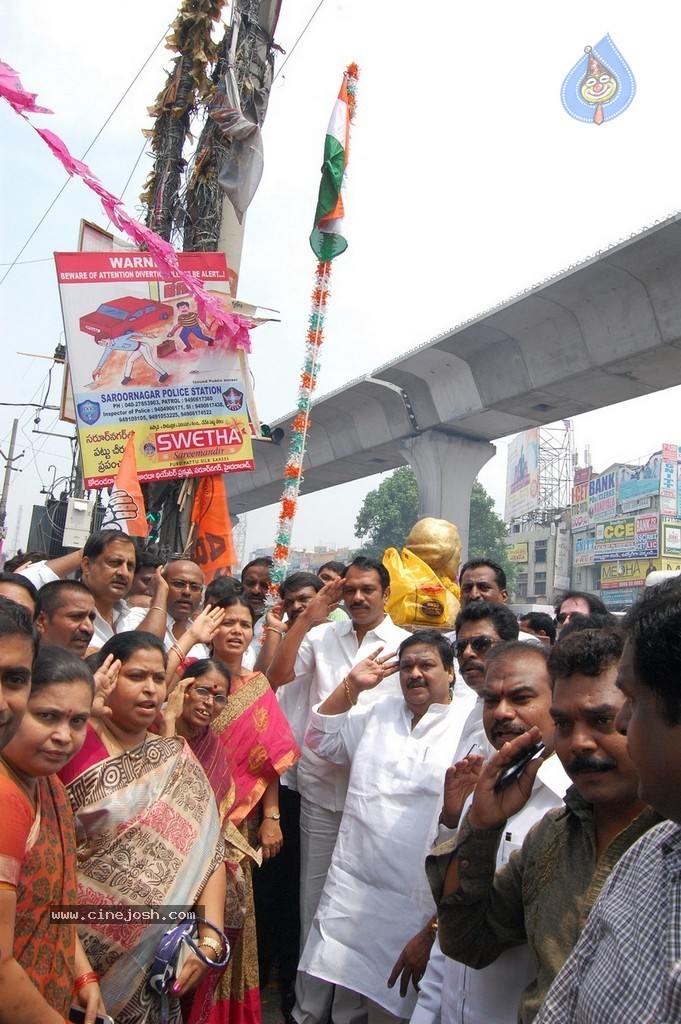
[375,909]
[67,616]
[177,595]
[516,695]
[107,563]
[310,662]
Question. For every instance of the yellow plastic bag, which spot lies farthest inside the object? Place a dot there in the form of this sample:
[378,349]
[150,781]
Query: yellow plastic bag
[418,597]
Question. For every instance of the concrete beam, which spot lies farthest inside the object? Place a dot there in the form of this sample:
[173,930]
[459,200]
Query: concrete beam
[446,467]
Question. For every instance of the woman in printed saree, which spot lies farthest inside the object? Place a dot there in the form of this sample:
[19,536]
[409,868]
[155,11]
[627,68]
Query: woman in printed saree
[148,835]
[42,964]
[255,737]
[194,704]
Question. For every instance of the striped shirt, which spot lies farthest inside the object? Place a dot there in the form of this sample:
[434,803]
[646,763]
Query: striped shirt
[627,965]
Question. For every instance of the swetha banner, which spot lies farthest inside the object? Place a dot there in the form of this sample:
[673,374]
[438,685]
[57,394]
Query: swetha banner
[143,357]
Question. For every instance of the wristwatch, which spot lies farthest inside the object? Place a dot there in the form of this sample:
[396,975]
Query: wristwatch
[275,816]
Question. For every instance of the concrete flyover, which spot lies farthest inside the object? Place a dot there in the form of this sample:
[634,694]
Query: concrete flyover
[601,333]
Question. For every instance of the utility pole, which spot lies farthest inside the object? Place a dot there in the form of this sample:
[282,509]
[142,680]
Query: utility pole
[190,202]
[9,468]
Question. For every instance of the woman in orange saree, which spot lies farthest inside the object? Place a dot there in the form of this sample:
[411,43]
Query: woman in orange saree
[43,962]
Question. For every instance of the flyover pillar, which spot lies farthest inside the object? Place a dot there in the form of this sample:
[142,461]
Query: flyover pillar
[445,466]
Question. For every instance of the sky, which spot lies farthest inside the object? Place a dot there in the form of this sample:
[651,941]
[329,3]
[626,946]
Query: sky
[468,183]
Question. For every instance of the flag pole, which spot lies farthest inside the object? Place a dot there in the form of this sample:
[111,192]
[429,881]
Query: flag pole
[326,242]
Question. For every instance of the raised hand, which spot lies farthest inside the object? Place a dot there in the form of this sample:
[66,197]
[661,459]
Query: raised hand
[274,617]
[490,808]
[371,671]
[106,678]
[174,706]
[206,622]
[324,601]
[460,781]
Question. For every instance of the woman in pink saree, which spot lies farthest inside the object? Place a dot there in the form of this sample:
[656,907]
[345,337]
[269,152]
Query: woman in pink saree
[254,740]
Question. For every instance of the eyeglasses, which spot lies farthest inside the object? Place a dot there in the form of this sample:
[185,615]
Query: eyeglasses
[178,585]
[218,698]
[480,644]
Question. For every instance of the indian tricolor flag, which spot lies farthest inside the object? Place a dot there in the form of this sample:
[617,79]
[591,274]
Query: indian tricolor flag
[327,239]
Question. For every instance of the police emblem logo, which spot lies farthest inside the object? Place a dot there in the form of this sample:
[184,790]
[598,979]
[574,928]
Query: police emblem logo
[233,399]
[89,411]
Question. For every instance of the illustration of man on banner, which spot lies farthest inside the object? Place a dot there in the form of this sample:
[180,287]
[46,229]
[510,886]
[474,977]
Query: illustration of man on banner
[188,326]
[137,349]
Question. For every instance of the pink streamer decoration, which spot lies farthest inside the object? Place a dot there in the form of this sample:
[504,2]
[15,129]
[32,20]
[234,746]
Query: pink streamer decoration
[235,329]
[15,94]
[70,164]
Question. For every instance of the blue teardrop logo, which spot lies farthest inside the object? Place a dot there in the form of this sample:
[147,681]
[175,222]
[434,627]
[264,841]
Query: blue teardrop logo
[600,86]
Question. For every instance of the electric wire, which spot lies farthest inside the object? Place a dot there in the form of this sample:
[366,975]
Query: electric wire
[291,51]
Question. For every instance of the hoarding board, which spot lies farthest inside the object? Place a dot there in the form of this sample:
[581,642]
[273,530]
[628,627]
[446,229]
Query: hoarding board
[628,537]
[671,538]
[561,562]
[141,360]
[583,552]
[626,573]
[579,519]
[602,498]
[517,552]
[522,477]
[670,501]
[639,481]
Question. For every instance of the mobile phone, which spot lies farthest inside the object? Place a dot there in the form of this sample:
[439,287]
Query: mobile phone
[517,767]
[77,1016]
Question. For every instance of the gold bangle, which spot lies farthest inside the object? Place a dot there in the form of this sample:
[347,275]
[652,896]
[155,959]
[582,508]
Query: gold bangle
[176,649]
[212,944]
[157,608]
[271,629]
[348,695]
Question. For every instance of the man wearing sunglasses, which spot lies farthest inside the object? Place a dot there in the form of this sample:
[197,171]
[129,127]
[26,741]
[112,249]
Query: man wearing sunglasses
[578,602]
[480,626]
[177,595]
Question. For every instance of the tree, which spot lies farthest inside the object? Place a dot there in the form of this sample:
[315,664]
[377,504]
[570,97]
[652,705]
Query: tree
[487,532]
[388,514]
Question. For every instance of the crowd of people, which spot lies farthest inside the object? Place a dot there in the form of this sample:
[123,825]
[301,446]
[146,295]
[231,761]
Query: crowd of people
[468,827]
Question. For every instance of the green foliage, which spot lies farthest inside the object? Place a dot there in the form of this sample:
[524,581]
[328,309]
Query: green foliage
[389,512]
[487,532]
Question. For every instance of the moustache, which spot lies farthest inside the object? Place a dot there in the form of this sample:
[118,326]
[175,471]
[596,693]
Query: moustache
[590,764]
[517,730]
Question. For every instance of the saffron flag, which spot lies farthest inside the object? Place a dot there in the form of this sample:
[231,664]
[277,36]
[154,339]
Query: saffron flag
[214,545]
[126,510]
[327,239]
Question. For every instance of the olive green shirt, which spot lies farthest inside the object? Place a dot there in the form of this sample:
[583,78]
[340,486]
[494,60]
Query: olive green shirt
[542,896]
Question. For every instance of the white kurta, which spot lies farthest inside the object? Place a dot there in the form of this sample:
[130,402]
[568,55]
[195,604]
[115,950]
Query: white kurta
[376,896]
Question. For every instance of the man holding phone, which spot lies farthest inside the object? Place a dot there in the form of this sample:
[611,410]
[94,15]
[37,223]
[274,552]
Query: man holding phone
[543,895]
[516,697]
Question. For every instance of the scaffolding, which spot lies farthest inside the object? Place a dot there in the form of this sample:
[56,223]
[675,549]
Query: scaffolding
[556,467]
